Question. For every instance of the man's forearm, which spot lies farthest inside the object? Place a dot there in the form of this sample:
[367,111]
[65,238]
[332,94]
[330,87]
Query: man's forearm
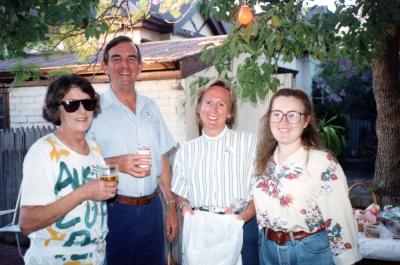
[165,182]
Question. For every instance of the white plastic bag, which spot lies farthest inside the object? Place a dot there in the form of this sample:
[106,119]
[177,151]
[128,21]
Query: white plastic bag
[211,239]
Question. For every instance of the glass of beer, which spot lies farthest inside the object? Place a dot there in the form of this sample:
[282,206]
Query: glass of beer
[109,173]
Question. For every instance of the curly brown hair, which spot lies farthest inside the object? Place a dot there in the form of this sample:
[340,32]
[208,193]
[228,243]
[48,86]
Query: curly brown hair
[57,91]
[267,143]
[232,108]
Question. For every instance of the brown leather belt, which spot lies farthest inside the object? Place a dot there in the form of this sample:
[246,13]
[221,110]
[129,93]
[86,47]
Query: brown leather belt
[137,201]
[282,237]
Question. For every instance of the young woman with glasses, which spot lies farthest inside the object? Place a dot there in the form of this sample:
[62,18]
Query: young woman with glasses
[300,191]
[63,208]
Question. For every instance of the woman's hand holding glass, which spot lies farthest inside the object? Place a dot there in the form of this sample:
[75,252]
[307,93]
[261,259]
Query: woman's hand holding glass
[106,187]
[98,190]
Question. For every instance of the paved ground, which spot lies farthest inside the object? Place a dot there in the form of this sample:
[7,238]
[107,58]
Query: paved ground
[9,256]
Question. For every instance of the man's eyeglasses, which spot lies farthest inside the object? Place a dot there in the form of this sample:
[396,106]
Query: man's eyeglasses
[276,116]
[73,105]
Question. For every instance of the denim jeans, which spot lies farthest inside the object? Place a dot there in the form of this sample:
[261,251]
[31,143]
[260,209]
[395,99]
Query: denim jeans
[311,250]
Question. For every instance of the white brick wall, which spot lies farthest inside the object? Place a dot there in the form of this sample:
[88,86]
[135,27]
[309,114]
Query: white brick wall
[26,104]
[176,103]
[170,97]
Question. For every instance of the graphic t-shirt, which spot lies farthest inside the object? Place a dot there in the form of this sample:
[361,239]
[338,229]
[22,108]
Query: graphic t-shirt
[52,170]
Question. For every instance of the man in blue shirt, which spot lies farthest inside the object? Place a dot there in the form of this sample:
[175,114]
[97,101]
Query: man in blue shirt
[127,122]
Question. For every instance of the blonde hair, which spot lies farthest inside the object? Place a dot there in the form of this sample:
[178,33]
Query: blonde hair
[232,108]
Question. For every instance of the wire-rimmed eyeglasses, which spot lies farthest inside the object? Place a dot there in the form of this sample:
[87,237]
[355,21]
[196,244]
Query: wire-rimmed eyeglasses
[276,116]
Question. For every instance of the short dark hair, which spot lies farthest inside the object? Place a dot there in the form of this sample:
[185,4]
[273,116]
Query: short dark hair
[232,108]
[57,91]
[117,40]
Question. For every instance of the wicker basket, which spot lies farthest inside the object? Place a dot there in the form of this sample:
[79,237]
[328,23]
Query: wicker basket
[365,185]
[373,199]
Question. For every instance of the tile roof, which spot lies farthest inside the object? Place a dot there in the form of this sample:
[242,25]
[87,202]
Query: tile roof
[152,52]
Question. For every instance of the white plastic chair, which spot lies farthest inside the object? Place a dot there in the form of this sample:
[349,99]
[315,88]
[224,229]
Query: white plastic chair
[13,227]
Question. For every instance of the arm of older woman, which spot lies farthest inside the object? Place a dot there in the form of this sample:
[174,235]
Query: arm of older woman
[33,218]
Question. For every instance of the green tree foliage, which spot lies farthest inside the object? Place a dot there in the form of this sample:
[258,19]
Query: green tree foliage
[24,72]
[367,33]
[71,25]
[24,23]
[285,30]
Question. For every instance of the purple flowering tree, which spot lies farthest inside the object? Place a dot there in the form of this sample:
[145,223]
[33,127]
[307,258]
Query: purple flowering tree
[344,89]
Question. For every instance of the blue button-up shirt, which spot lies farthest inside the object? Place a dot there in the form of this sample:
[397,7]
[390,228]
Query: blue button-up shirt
[119,131]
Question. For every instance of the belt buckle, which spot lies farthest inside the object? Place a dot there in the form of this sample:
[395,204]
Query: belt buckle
[278,237]
[211,209]
[282,238]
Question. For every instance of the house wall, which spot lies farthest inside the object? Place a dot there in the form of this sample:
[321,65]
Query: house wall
[145,34]
[176,102]
[170,97]
[192,126]
[248,113]
[306,68]
[196,24]
[26,104]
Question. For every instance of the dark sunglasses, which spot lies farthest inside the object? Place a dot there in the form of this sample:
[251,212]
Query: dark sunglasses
[73,105]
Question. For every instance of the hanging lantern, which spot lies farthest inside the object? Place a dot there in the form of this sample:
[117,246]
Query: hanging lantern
[245,16]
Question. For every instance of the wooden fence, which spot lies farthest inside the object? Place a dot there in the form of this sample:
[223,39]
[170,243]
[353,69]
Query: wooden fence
[360,130]
[14,144]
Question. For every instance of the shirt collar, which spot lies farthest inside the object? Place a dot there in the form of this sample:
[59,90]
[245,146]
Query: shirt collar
[109,98]
[299,156]
[217,137]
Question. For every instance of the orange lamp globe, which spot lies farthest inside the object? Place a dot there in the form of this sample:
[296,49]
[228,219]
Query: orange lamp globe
[245,16]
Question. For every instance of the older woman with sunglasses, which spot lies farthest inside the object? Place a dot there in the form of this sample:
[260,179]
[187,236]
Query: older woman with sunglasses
[63,208]
[300,192]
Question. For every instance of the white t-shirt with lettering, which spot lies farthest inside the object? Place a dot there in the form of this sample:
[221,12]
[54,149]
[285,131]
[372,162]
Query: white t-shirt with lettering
[52,170]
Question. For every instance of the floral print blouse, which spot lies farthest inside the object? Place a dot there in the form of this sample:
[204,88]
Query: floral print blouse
[305,192]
